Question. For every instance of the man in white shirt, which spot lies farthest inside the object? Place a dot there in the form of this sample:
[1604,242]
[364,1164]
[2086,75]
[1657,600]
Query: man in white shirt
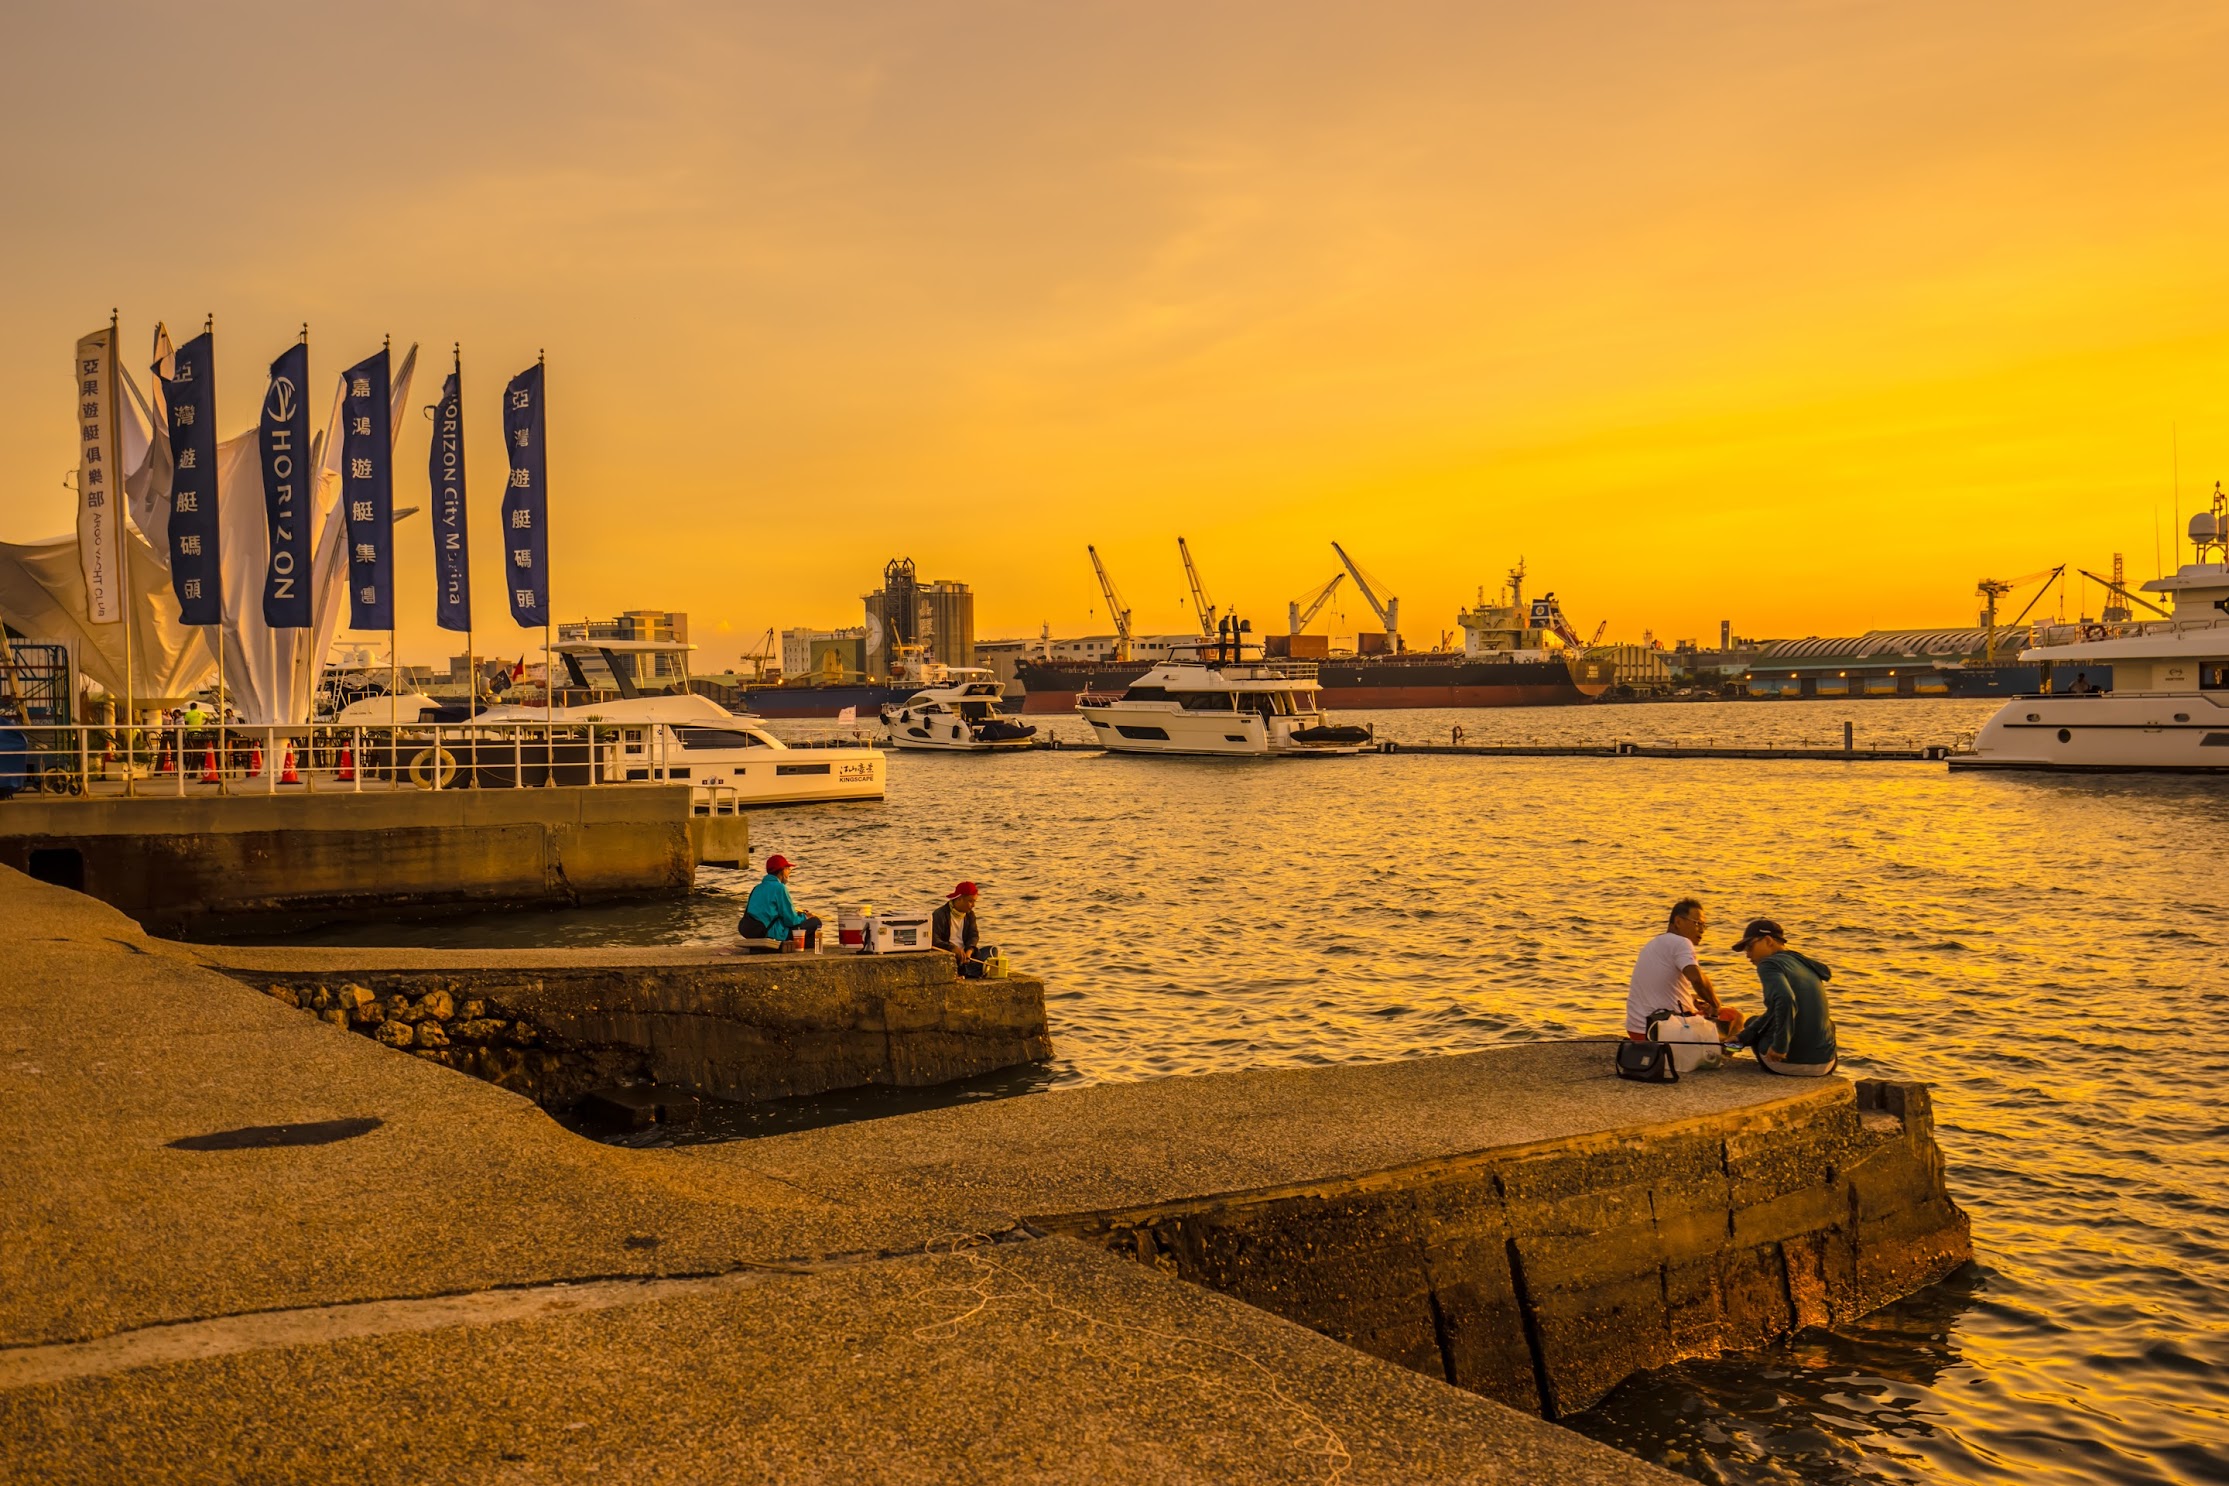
[1667,978]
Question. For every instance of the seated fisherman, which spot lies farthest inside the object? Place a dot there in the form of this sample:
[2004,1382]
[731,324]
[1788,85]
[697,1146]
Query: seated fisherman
[1794,1034]
[769,913]
[952,929]
[1668,981]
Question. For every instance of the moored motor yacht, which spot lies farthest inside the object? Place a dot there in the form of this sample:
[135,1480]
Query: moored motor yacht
[1225,699]
[725,758]
[957,711]
[2167,707]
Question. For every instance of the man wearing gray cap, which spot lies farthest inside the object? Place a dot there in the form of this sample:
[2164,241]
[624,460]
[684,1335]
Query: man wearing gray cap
[1794,1035]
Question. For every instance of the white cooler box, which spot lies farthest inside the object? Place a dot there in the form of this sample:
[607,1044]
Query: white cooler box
[896,933]
[1695,1041]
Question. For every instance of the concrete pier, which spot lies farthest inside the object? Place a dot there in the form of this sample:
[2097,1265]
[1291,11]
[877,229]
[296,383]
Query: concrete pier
[202,863]
[555,1024]
[239,1241]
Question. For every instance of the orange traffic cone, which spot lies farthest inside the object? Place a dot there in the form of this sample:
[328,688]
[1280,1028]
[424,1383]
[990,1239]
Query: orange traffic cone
[166,764]
[289,776]
[348,765]
[255,762]
[209,767]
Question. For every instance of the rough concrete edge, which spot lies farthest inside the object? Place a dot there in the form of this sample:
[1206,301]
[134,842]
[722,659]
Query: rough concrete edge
[1084,1221]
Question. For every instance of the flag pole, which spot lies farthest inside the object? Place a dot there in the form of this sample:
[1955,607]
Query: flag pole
[394,653]
[549,664]
[123,533]
[223,753]
[471,661]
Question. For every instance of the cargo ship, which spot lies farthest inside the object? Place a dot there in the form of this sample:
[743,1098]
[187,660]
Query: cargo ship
[1513,655]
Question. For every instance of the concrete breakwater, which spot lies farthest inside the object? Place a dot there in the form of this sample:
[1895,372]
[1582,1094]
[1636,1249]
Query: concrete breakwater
[554,1025]
[202,863]
[1543,1275]
[242,1240]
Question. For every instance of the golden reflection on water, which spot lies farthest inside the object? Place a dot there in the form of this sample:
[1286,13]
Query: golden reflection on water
[2046,952]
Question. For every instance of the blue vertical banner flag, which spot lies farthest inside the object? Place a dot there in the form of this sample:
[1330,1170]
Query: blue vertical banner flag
[526,549]
[368,492]
[452,568]
[282,443]
[190,403]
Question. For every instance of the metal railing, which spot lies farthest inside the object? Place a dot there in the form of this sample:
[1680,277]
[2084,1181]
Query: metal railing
[316,758]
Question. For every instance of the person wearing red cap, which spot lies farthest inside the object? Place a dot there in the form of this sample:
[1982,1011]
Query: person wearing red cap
[952,929]
[769,913]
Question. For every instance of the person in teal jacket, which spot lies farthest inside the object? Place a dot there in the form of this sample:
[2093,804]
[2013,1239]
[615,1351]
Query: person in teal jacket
[1795,1033]
[769,913]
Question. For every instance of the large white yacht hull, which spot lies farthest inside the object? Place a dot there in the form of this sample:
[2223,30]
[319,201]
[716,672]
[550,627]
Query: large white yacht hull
[1198,734]
[2185,732]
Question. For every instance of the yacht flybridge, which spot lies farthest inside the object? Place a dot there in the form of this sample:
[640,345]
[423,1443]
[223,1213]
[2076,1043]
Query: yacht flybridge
[1222,698]
[956,711]
[2168,706]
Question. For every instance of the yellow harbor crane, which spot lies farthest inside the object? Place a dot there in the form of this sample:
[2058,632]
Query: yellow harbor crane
[1117,610]
[1200,603]
[1301,610]
[1993,589]
[1388,609]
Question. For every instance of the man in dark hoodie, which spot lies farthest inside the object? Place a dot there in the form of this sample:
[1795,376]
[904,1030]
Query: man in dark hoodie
[1795,1033]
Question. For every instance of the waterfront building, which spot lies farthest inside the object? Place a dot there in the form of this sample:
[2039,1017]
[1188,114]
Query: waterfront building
[1632,668]
[1899,663]
[936,615]
[831,654]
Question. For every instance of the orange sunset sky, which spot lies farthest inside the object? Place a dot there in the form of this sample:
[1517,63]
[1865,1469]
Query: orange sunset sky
[1805,315]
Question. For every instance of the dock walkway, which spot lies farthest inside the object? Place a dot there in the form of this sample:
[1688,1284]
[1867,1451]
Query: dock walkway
[238,1241]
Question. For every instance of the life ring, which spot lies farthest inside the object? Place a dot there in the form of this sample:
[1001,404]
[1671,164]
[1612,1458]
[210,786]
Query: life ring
[2093,631]
[425,767]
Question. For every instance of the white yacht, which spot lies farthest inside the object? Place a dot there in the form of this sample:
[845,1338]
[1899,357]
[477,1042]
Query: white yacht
[956,711]
[2168,704]
[730,760]
[1221,699]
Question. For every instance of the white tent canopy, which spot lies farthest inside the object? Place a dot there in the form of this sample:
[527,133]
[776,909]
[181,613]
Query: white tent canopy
[271,675]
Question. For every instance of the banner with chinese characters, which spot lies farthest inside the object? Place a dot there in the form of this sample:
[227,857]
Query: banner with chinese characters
[282,442]
[526,501]
[368,494]
[452,571]
[190,402]
[100,478]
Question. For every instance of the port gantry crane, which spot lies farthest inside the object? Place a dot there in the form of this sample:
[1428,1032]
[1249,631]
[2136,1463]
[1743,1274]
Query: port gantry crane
[1200,604]
[1117,610]
[1993,589]
[1388,609]
[1305,608]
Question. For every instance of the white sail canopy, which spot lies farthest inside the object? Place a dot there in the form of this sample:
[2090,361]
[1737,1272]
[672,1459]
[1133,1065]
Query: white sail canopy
[272,676]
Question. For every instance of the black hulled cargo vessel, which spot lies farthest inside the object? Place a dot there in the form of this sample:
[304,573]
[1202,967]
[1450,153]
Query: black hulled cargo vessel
[1513,655]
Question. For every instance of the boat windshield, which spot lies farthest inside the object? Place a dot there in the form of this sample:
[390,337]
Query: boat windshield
[723,738]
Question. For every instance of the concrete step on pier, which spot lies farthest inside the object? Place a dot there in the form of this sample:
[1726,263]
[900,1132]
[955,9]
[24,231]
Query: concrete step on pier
[240,1242]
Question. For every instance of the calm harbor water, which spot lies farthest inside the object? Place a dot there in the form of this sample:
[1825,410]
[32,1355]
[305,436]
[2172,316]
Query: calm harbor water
[2048,953]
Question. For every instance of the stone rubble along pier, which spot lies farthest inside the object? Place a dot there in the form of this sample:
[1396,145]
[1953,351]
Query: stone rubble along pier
[241,1242]
[556,1024]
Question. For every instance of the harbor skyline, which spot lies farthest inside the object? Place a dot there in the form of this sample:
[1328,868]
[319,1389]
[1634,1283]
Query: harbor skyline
[1804,318]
